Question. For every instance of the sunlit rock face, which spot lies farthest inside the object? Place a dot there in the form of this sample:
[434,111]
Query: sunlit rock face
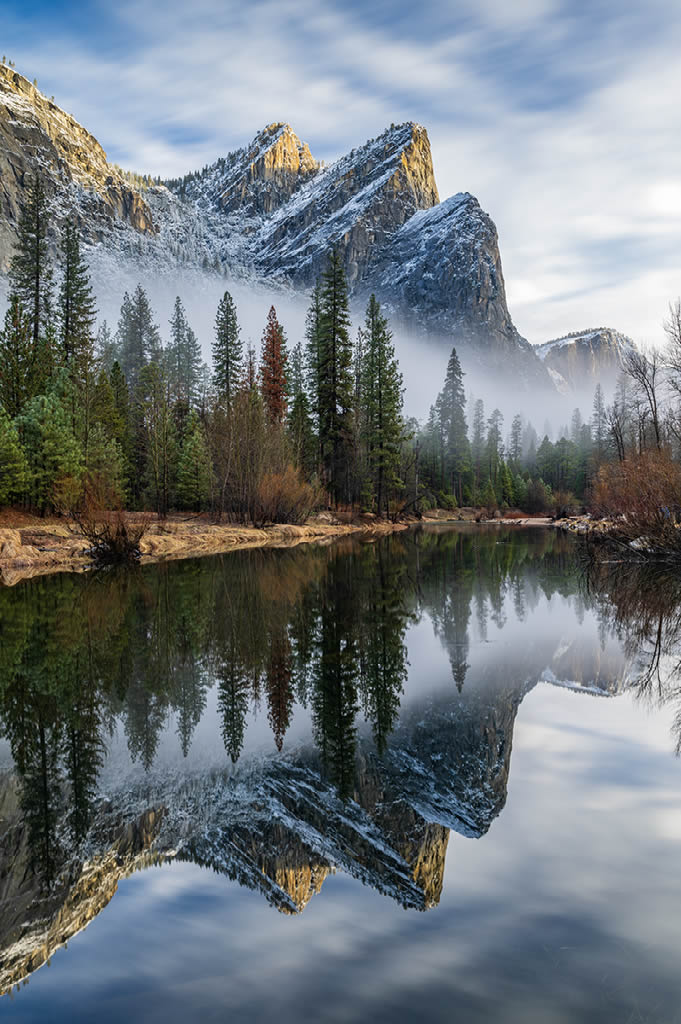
[41,913]
[272,211]
[288,210]
[36,134]
[278,827]
[261,177]
[355,205]
[586,358]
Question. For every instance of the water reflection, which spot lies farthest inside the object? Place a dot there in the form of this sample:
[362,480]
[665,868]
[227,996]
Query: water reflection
[383,775]
[642,605]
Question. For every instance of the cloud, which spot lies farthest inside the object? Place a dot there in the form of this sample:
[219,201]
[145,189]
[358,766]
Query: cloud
[561,117]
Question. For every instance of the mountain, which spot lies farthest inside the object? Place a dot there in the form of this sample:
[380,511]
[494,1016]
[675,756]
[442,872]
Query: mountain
[36,133]
[270,211]
[443,268]
[277,826]
[585,358]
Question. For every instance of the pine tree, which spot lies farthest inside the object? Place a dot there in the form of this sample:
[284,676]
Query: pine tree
[249,380]
[488,497]
[505,485]
[183,358]
[24,368]
[138,336]
[76,311]
[106,347]
[273,369]
[227,351]
[300,428]
[120,427]
[31,272]
[13,467]
[194,467]
[478,441]
[313,350]
[494,449]
[158,440]
[515,441]
[380,395]
[53,454]
[599,423]
[453,415]
[334,379]
[105,465]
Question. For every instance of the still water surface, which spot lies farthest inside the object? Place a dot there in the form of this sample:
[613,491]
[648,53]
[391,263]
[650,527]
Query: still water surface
[430,778]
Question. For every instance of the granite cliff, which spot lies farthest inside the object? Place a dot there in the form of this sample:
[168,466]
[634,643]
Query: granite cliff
[271,211]
[36,134]
[585,358]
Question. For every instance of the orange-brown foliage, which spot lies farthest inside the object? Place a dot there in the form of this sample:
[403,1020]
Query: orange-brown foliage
[642,497]
[285,498]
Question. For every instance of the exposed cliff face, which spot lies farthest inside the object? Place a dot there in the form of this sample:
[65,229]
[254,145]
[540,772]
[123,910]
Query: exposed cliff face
[356,205]
[288,211]
[585,358]
[35,134]
[442,270]
[257,179]
[271,211]
[35,920]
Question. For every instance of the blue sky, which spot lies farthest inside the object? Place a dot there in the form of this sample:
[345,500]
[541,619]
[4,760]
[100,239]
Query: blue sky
[563,118]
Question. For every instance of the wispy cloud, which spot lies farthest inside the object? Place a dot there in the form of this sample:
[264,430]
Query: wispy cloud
[561,116]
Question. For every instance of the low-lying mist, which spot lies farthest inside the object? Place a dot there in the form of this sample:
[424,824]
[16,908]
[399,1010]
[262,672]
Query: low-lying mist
[423,359]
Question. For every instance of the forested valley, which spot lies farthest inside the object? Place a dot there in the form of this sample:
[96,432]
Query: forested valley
[128,418]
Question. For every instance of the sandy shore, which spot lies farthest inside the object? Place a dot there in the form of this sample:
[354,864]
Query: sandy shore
[30,546]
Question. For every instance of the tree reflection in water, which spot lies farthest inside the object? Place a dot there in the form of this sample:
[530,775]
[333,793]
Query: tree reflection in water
[319,627]
[642,604]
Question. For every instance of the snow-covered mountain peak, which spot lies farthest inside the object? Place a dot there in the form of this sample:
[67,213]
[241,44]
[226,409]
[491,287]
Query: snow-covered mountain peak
[255,180]
[586,357]
[271,212]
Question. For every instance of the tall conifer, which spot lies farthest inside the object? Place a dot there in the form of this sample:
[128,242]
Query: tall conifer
[227,350]
[76,311]
[381,400]
[273,360]
[31,272]
[335,380]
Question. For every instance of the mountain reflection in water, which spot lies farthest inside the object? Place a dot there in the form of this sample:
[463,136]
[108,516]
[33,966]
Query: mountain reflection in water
[101,676]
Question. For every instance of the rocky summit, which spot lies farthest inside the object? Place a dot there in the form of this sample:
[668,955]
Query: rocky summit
[35,134]
[271,211]
[585,358]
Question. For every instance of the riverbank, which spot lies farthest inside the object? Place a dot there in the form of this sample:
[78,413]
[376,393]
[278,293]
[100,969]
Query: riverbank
[30,546]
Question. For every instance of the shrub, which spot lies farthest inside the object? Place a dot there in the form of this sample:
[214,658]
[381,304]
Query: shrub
[642,498]
[113,536]
[562,502]
[285,498]
[446,501]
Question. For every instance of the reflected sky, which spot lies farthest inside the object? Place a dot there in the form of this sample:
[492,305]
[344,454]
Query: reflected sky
[568,909]
[525,765]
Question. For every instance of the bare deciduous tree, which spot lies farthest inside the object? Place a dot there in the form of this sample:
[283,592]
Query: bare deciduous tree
[645,371]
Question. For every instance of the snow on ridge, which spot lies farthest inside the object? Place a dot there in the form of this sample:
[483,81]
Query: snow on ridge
[621,341]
